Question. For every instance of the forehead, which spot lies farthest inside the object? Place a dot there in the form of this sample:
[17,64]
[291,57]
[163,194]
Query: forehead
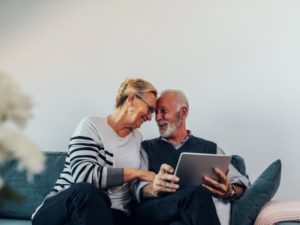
[150,98]
[167,101]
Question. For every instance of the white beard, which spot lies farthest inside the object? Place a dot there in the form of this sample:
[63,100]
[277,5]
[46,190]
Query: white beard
[170,128]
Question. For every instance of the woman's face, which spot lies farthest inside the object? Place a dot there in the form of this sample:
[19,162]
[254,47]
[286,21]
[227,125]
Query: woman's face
[142,109]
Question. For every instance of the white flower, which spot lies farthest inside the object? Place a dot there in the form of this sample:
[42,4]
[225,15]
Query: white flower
[14,105]
[14,146]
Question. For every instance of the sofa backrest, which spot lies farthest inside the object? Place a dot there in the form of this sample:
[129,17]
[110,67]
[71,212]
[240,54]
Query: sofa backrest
[32,194]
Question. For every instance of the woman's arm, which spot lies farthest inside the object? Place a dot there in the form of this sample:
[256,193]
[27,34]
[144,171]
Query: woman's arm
[88,163]
[130,174]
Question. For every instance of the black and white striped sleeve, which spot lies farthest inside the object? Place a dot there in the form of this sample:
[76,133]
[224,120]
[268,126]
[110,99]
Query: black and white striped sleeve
[89,161]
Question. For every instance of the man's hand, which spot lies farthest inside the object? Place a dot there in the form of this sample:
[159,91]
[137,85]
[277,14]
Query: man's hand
[164,181]
[221,188]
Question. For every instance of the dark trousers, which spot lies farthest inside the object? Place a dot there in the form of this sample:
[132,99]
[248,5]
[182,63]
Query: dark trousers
[190,206]
[81,204]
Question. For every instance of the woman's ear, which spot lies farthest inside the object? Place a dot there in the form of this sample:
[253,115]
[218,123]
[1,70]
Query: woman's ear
[130,99]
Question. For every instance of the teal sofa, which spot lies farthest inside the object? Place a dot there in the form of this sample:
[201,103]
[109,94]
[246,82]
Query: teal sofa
[32,194]
[19,213]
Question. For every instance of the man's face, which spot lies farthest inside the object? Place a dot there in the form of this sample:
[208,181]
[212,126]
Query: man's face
[167,117]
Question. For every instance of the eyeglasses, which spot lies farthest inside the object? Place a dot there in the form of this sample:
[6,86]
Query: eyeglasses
[151,110]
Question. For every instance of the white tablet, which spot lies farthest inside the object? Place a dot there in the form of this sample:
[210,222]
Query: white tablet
[192,167]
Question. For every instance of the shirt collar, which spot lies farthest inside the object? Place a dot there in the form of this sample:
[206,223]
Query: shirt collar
[177,146]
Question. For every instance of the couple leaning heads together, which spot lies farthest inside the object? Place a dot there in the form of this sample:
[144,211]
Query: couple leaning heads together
[112,177]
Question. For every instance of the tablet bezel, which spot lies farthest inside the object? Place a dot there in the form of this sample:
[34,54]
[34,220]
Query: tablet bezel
[192,167]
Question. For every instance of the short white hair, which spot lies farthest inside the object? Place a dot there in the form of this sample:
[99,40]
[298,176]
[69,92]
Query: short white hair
[181,98]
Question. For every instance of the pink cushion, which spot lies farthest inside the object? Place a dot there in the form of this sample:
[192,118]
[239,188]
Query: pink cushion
[276,211]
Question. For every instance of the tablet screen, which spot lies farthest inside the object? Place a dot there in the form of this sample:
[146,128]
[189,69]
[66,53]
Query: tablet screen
[192,167]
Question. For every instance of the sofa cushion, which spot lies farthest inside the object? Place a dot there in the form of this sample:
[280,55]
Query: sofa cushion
[14,222]
[289,223]
[276,211]
[245,210]
[32,194]
[239,163]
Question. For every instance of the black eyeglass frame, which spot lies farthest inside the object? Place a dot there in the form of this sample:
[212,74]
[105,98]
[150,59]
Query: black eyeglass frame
[151,110]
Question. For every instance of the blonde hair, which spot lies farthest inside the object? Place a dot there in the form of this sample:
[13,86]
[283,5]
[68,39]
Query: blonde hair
[137,86]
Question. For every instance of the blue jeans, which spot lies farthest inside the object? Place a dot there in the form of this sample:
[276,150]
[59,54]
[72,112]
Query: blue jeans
[81,204]
[189,206]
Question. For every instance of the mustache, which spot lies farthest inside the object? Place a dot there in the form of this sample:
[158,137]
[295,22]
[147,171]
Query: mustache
[162,122]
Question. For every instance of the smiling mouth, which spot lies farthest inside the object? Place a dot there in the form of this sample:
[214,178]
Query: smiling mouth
[162,125]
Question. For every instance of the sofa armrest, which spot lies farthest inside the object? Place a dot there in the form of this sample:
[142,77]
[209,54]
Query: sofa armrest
[279,212]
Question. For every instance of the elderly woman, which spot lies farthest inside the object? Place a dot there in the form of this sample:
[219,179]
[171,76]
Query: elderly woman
[104,160]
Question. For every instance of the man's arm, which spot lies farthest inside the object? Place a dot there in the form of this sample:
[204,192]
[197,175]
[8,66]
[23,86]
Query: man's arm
[164,181]
[232,184]
[223,188]
[147,191]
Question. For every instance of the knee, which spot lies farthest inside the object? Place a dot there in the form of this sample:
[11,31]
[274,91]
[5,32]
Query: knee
[85,189]
[87,192]
[197,192]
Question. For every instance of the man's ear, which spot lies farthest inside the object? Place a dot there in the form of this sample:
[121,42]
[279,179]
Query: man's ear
[183,112]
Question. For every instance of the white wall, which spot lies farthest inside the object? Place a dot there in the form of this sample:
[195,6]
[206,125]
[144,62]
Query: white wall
[238,62]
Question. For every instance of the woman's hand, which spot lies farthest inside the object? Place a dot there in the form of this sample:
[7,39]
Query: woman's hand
[146,175]
[130,174]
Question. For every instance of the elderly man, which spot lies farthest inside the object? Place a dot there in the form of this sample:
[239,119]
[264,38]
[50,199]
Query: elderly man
[162,201]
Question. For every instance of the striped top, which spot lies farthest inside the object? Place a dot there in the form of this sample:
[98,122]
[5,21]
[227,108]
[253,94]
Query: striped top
[97,155]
